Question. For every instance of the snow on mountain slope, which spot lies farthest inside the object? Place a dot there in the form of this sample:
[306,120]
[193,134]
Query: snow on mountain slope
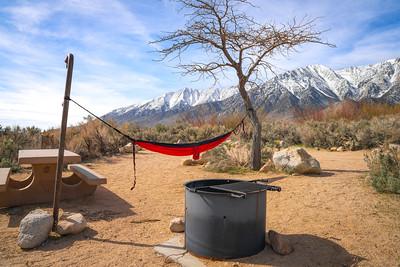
[174,102]
[311,86]
[372,81]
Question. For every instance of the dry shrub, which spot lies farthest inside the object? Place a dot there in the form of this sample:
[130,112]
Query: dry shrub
[239,154]
[231,157]
[12,139]
[352,135]
[348,110]
[199,119]
[325,134]
[94,139]
[267,153]
[179,132]
[384,169]
[274,131]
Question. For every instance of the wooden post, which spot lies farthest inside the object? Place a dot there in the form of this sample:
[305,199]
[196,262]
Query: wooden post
[60,160]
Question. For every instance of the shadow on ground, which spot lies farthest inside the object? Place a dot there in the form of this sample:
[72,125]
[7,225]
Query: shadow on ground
[58,243]
[322,174]
[349,171]
[54,243]
[275,179]
[102,205]
[309,250]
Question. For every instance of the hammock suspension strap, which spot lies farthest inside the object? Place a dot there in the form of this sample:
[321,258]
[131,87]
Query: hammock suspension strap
[134,164]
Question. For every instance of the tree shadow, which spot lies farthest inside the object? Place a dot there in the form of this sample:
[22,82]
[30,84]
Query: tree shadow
[322,174]
[58,243]
[135,244]
[349,171]
[309,250]
[102,205]
[274,179]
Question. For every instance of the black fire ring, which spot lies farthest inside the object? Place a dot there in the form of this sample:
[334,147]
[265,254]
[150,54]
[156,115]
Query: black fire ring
[225,218]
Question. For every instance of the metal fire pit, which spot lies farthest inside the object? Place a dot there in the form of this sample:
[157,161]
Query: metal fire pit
[225,218]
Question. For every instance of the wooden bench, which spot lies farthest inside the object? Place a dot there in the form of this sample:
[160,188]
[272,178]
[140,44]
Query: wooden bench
[4,178]
[87,175]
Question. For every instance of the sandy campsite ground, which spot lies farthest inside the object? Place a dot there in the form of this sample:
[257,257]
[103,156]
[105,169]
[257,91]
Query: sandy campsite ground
[334,219]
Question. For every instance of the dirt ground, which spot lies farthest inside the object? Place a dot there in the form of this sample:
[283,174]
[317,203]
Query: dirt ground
[334,219]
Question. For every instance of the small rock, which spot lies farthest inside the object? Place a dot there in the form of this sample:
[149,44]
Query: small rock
[279,243]
[71,223]
[348,145]
[394,146]
[281,143]
[177,225]
[268,166]
[235,144]
[179,141]
[340,149]
[192,162]
[333,148]
[34,228]
[208,165]
[296,160]
[128,148]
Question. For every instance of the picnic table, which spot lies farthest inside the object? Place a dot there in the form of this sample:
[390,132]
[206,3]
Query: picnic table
[38,187]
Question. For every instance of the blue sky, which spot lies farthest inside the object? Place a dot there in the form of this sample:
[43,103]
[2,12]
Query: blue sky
[115,64]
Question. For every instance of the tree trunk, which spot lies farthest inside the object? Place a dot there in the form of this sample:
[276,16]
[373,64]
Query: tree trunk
[255,157]
[255,154]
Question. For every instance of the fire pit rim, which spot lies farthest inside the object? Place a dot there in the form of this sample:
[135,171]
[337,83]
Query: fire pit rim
[228,181]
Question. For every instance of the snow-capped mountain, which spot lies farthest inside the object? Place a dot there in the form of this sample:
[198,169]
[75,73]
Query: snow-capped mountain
[311,86]
[170,103]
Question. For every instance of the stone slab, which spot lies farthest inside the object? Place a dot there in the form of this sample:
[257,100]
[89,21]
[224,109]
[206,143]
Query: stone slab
[174,249]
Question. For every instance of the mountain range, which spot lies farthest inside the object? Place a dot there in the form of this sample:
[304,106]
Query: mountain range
[314,86]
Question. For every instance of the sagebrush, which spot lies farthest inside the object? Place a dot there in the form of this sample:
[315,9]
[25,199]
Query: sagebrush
[384,168]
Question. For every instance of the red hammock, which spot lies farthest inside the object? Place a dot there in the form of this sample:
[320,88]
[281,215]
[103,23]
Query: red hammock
[178,149]
[183,149]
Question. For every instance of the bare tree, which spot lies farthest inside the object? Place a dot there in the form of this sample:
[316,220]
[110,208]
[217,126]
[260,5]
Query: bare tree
[234,40]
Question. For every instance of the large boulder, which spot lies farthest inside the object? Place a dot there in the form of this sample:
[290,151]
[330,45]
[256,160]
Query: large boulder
[71,223]
[177,225]
[296,160]
[279,243]
[34,229]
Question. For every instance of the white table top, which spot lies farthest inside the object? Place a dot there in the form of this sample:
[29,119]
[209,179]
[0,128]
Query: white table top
[46,156]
